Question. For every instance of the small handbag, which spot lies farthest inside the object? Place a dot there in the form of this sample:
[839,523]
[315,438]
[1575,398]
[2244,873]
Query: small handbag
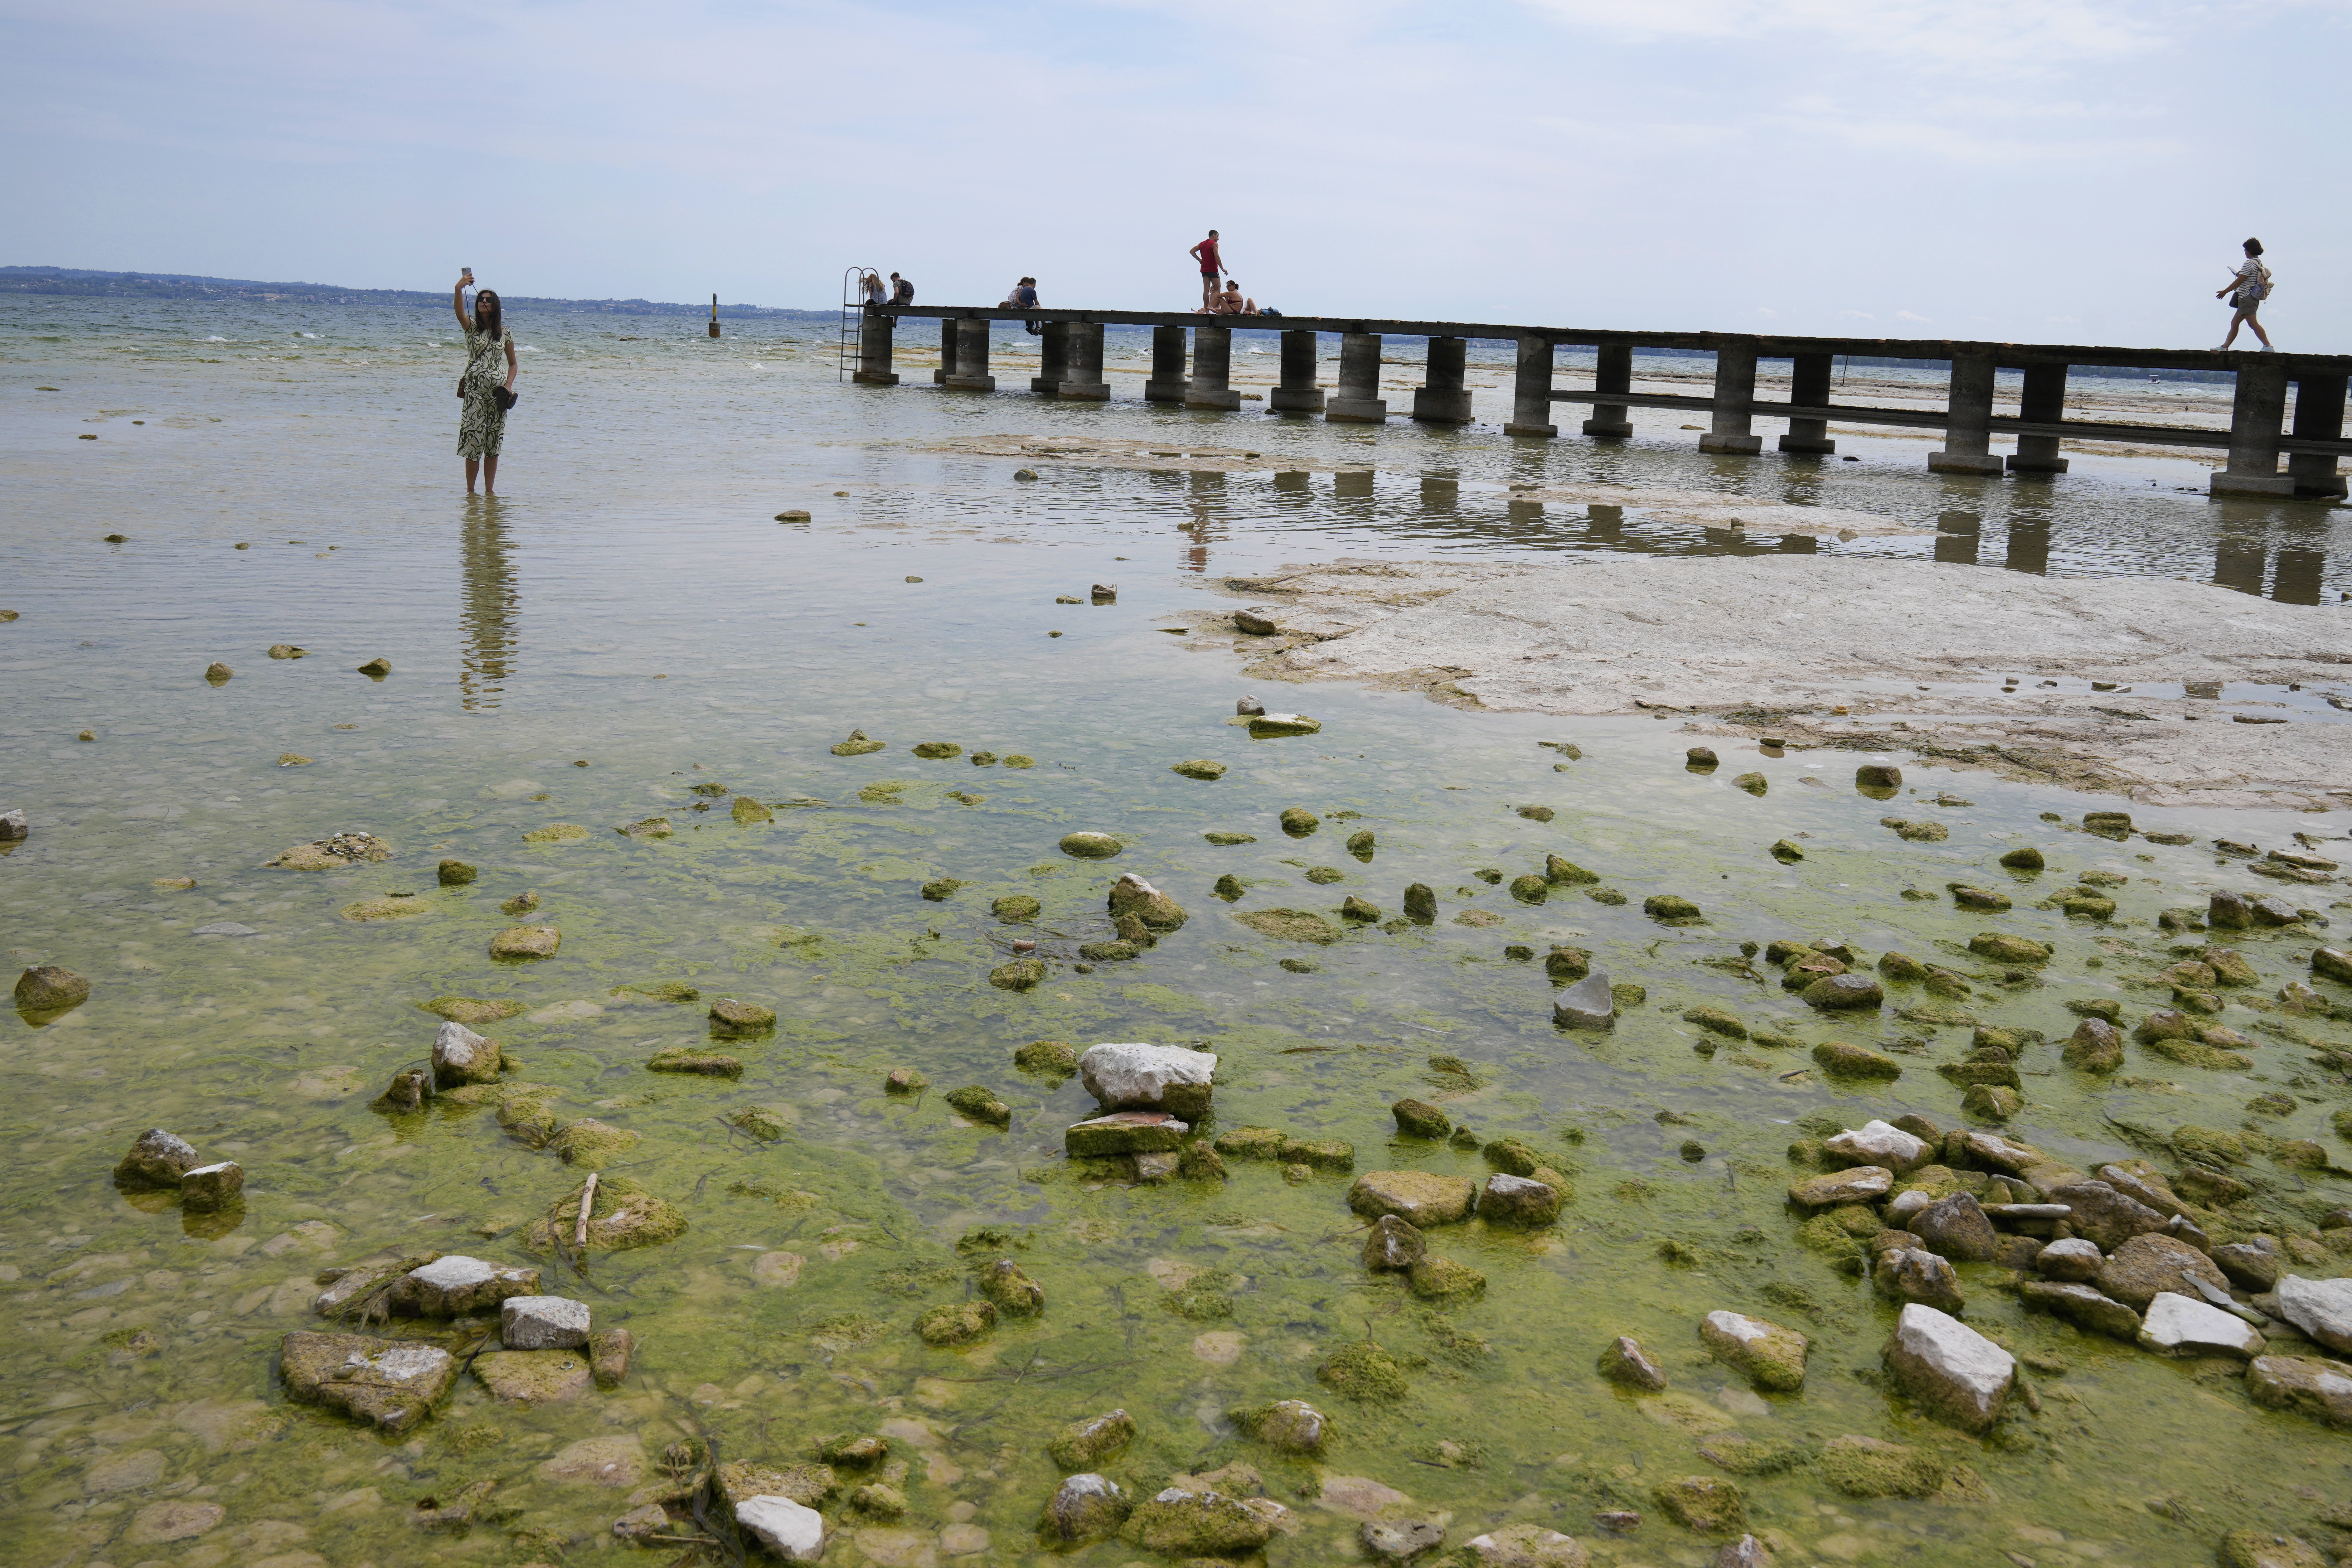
[504,399]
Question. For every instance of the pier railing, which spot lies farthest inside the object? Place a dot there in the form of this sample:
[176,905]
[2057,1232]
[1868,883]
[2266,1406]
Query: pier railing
[1191,364]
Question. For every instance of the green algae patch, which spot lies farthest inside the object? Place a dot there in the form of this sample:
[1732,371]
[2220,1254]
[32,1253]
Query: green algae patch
[1290,924]
[1200,767]
[1365,1372]
[747,809]
[557,834]
[700,1063]
[472,1010]
[858,745]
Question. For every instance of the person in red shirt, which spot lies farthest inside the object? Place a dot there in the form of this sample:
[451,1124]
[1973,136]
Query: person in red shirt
[1212,268]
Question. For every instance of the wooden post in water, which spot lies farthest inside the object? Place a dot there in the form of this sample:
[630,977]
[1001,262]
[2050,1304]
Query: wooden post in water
[1612,371]
[2256,415]
[1167,383]
[2042,403]
[1357,401]
[1212,365]
[714,315]
[1299,393]
[1808,387]
[970,372]
[1531,390]
[2318,417]
[1968,428]
[1733,435]
[1441,399]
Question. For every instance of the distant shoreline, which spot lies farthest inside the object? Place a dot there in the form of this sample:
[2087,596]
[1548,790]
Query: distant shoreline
[71,282]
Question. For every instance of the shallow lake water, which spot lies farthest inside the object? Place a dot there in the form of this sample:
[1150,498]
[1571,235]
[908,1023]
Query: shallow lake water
[625,623]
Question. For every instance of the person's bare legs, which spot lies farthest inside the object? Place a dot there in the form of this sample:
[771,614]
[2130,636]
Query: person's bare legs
[2253,318]
[472,464]
[2236,319]
[490,475]
[1208,292]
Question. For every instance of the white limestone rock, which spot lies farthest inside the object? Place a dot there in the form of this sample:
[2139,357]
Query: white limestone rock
[1952,1372]
[453,1286]
[2073,1260]
[1138,1077]
[2175,1325]
[1588,1004]
[2320,1308]
[461,1056]
[1880,1144]
[542,1322]
[785,1528]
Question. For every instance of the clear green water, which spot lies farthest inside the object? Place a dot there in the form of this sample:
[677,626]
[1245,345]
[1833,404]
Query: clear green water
[629,604]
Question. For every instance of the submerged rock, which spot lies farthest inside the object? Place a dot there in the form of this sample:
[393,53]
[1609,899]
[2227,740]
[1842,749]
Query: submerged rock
[1200,767]
[1131,895]
[958,1323]
[1708,1505]
[517,942]
[1527,1546]
[624,1215]
[51,988]
[461,1056]
[1089,845]
[533,1376]
[1271,726]
[1087,1507]
[1008,1285]
[1870,1467]
[1096,1440]
[157,1159]
[731,1016]
[1182,1521]
[2320,1389]
[392,1384]
[1625,1362]
[1290,926]
[686,1059]
[1420,1198]
[1126,1132]
[1771,1357]
[981,1104]
[1287,1425]
[1589,1004]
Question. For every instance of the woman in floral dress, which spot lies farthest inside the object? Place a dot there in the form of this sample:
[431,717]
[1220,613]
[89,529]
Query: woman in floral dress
[482,427]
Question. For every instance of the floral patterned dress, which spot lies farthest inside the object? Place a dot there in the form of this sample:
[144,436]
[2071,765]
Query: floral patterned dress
[482,427]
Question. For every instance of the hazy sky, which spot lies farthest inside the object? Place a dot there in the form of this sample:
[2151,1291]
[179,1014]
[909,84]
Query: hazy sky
[2068,170]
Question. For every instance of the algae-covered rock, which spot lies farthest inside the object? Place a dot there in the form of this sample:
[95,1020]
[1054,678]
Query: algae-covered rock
[1131,895]
[1951,1372]
[1096,1440]
[392,1384]
[1435,1278]
[1317,1154]
[701,1064]
[460,1056]
[1009,1286]
[1290,924]
[1360,909]
[1714,1021]
[1670,908]
[646,828]
[1421,1198]
[937,750]
[858,745]
[1049,1056]
[729,1016]
[1252,1142]
[1517,1201]
[2007,949]
[1196,1522]
[533,1376]
[1627,1364]
[593,1143]
[747,809]
[737,1481]
[1971,897]
[1391,1244]
[1529,889]
[472,1010]
[1786,852]
[1021,975]
[981,1104]
[1868,1467]
[1126,1132]
[51,988]
[331,854]
[1512,1154]
[1273,725]
[1708,1505]
[1362,1371]
[1567,873]
[623,1214]
[1753,783]
[1771,1357]
[1839,993]
[518,943]
[2095,1046]
[157,1159]
[957,1323]
[1090,845]
[1084,1507]
[1841,1060]
[1526,1546]
[2025,858]
[1419,903]
[455,873]
[2317,1388]
[1420,1119]
[1200,767]
[557,834]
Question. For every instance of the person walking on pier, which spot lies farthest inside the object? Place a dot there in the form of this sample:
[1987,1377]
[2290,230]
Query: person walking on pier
[1212,266]
[2248,286]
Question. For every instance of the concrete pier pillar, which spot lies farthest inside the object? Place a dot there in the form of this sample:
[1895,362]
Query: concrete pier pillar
[1612,371]
[1808,387]
[947,350]
[1299,393]
[1968,428]
[2318,417]
[874,353]
[970,372]
[2256,415]
[1531,390]
[1082,375]
[1441,399]
[2044,402]
[1052,357]
[1167,383]
[1212,366]
[1358,399]
[1735,403]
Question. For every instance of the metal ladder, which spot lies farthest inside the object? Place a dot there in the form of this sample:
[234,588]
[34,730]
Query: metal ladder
[853,312]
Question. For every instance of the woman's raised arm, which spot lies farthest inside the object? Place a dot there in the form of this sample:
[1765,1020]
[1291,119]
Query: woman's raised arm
[458,303]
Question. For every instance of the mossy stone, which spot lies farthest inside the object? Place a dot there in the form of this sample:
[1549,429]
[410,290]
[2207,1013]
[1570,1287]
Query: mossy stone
[981,1104]
[1116,952]
[1200,767]
[1252,1142]
[1362,843]
[1021,975]
[1786,852]
[685,1059]
[1228,839]
[1537,813]
[557,834]
[1290,924]
[455,873]
[1092,846]
[1050,1056]
[1362,1371]
[937,750]
[2026,857]
[731,1016]
[1568,964]
[958,1323]
[1714,1021]
[1992,1102]
[1014,907]
[1358,909]
[1529,889]
[1420,1119]
[1841,1060]
[1567,872]
[1298,821]
[1670,908]
[1754,783]
[623,1214]
[1708,1505]
[1093,1442]
[858,745]
[1869,1467]
[2005,949]
[1442,1280]
[1009,1286]
[593,1143]
[942,889]
[1320,1154]
[1512,1156]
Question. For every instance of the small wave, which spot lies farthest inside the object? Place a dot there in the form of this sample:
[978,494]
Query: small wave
[212,339]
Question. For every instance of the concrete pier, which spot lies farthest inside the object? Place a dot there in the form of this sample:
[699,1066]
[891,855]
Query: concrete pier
[1070,362]
[2318,417]
[1531,390]
[1612,371]
[1358,400]
[1167,381]
[874,349]
[2043,402]
[1967,421]
[1070,365]
[2255,417]
[970,372]
[1441,399]
[1808,387]
[1213,369]
[1299,392]
[1735,403]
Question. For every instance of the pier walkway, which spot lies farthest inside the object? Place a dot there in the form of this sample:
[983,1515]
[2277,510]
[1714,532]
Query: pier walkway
[1191,364]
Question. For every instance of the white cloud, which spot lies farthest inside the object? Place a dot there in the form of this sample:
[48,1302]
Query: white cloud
[2008,36]
[1907,316]
[1765,310]
[1858,315]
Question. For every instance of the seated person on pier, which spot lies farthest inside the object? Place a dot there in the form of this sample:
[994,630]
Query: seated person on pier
[902,291]
[1232,303]
[871,287]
